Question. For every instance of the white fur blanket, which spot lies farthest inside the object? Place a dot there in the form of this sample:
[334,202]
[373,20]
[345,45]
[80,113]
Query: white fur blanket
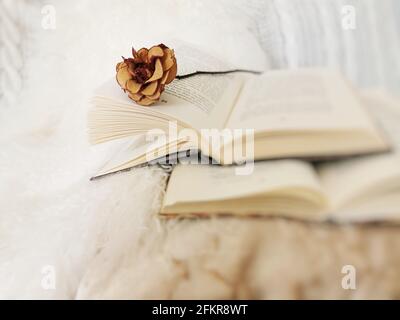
[62,236]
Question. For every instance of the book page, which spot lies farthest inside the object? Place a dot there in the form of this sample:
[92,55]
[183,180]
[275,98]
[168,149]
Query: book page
[193,59]
[346,179]
[208,183]
[135,151]
[298,100]
[201,101]
[210,56]
[131,147]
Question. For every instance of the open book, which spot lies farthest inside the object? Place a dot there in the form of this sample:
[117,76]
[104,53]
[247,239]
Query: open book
[358,189]
[294,114]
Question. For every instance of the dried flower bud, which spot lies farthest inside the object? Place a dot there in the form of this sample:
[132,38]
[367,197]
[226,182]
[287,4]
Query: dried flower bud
[145,75]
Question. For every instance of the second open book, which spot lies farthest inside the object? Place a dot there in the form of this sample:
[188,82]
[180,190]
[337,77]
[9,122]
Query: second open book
[305,113]
[359,189]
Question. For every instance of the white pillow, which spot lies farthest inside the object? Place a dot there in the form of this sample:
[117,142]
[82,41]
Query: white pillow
[216,26]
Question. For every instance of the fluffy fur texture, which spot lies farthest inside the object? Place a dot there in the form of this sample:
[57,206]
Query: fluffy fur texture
[249,259]
[103,238]
[50,213]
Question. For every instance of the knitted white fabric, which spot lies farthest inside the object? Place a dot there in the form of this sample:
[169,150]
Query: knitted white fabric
[298,33]
[11,59]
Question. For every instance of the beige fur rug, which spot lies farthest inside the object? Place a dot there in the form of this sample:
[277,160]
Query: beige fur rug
[230,258]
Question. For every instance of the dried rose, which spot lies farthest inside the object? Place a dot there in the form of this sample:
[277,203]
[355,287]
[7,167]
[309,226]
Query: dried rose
[145,75]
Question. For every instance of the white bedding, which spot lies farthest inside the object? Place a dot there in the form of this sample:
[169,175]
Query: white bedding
[102,239]
[51,214]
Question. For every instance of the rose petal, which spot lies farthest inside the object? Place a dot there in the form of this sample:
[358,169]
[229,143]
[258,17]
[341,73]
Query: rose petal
[132,86]
[135,96]
[168,59]
[134,53]
[150,89]
[143,53]
[164,77]
[123,76]
[120,65]
[155,52]
[158,72]
[156,95]
[145,101]
[172,73]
